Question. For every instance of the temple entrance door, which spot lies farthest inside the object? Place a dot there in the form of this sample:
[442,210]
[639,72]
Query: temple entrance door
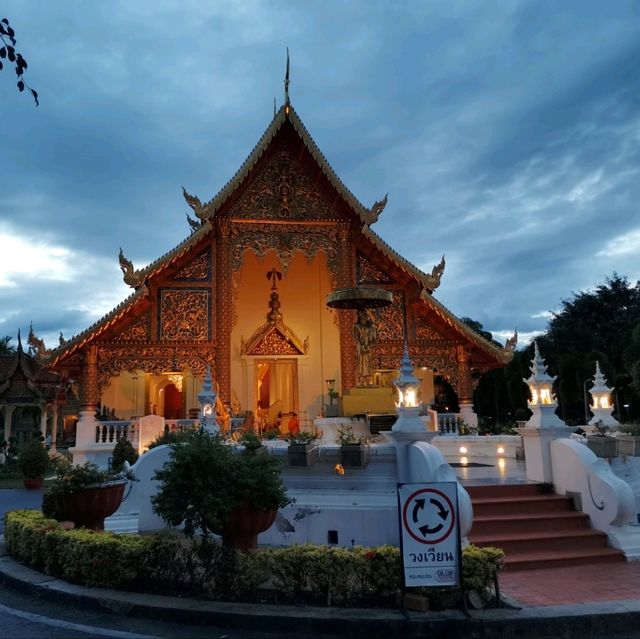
[276,388]
[172,402]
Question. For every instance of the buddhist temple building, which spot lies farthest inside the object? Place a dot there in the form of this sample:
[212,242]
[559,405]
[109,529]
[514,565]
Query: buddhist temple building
[246,293]
[30,398]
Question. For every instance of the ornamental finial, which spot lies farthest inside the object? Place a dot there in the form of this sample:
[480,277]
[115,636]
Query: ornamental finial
[286,83]
[432,281]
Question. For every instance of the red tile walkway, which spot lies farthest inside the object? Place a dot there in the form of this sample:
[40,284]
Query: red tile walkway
[574,584]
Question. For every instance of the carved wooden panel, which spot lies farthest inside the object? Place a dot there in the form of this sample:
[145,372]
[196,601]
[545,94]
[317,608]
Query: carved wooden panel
[198,269]
[424,332]
[184,314]
[282,191]
[137,330]
[391,320]
[274,344]
[369,273]
[156,358]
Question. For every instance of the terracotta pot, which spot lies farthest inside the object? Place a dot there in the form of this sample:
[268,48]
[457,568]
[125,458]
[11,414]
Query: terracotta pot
[244,524]
[89,507]
[33,484]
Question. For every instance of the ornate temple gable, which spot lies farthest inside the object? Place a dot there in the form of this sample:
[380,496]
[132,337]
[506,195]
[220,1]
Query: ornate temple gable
[114,359]
[137,330]
[184,314]
[286,124]
[274,337]
[369,273]
[273,343]
[281,190]
[197,270]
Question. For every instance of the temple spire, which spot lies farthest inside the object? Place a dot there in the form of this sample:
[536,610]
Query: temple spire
[286,83]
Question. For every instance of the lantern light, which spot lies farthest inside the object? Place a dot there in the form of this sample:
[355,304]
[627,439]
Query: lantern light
[407,384]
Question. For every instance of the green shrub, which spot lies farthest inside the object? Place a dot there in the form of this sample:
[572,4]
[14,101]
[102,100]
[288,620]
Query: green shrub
[171,437]
[33,460]
[70,478]
[172,563]
[123,452]
[204,480]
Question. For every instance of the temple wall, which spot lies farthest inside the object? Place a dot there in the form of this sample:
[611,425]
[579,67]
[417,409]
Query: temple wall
[126,394]
[303,290]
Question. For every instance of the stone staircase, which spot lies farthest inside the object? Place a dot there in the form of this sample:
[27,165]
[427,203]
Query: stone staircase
[535,528]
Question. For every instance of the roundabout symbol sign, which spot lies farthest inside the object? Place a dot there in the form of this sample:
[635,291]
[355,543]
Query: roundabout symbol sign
[428,516]
[430,534]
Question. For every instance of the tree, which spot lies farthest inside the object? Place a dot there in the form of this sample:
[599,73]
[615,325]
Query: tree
[5,346]
[8,52]
[595,325]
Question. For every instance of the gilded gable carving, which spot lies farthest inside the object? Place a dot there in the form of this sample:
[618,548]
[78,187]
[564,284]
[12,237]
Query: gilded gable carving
[274,344]
[198,269]
[136,331]
[368,273]
[282,191]
[390,321]
[184,315]
[425,333]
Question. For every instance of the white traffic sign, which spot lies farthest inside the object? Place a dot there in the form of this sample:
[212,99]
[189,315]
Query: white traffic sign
[430,534]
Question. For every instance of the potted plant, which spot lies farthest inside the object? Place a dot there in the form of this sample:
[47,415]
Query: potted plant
[353,449]
[332,409]
[85,495]
[33,461]
[601,443]
[210,488]
[629,439]
[303,450]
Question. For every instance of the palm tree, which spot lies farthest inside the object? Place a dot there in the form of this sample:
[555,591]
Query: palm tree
[6,347]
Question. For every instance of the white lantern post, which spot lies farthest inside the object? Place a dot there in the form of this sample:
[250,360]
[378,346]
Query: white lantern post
[544,425]
[601,406]
[207,398]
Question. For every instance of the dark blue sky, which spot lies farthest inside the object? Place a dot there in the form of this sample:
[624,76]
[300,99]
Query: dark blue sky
[506,133]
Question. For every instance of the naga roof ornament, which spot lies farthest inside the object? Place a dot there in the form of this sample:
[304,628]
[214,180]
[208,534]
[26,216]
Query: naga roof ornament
[194,224]
[432,281]
[194,202]
[510,344]
[36,344]
[372,215]
[129,275]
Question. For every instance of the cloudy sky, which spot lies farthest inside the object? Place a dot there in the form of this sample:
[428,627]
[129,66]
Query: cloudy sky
[506,133]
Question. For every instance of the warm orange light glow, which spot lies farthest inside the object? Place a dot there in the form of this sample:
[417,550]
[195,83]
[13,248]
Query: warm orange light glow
[463,460]
[338,469]
[500,450]
[410,397]
[207,410]
[604,402]
[534,396]
[463,449]
[545,396]
[502,465]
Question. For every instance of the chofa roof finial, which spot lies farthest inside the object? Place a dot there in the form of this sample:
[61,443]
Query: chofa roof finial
[286,83]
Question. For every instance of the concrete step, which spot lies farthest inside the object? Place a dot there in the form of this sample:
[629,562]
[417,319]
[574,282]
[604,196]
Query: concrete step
[528,522]
[523,543]
[557,559]
[520,505]
[488,491]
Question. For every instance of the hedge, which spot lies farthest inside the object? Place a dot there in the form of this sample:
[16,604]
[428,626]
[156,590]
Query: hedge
[172,564]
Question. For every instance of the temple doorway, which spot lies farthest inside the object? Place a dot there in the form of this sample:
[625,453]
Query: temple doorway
[276,387]
[172,402]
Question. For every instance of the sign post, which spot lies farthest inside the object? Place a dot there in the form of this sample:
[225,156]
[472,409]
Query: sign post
[430,534]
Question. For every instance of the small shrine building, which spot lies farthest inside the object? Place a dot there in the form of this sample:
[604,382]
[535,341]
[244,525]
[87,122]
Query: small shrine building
[246,291]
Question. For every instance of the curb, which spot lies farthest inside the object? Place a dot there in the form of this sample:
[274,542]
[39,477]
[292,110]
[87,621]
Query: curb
[578,621]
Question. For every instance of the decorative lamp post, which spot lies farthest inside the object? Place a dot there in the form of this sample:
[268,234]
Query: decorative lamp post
[407,407]
[601,395]
[207,398]
[543,401]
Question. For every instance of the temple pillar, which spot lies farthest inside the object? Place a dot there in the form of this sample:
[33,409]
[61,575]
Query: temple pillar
[346,319]
[89,396]
[8,417]
[43,421]
[54,430]
[224,309]
[465,386]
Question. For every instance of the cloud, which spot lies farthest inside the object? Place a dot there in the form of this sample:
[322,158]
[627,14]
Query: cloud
[626,244]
